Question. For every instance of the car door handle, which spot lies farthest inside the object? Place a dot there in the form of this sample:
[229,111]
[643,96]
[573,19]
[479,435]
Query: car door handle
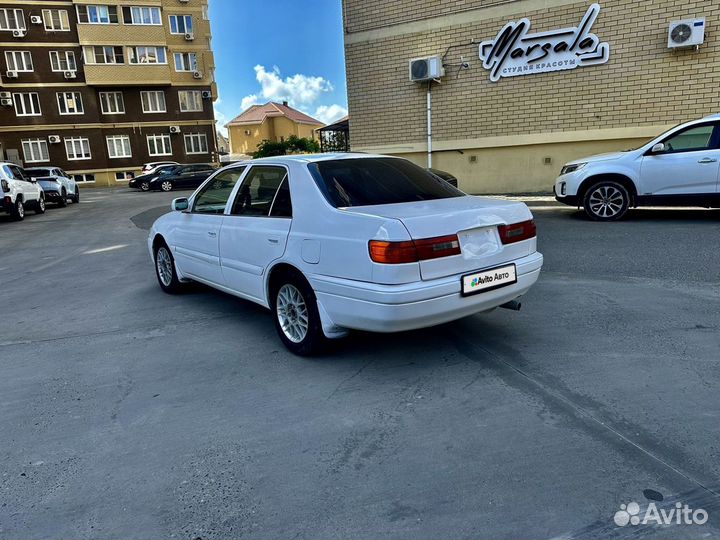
[707,160]
[273,240]
[212,234]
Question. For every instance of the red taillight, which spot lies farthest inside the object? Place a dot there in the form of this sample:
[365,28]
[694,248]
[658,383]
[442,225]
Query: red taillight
[517,232]
[414,250]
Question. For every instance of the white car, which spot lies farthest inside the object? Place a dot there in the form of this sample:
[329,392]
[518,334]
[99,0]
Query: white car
[18,191]
[678,168]
[332,242]
[149,168]
[56,184]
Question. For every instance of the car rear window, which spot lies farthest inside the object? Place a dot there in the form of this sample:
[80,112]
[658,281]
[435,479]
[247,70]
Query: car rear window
[38,173]
[372,181]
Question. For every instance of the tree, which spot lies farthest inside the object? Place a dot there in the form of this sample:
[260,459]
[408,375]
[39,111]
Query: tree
[292,145]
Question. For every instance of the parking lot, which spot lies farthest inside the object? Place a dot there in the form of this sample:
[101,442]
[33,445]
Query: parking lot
[130,413]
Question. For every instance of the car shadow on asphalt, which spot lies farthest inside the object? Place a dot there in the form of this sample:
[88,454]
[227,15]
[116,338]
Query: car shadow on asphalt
[660,214]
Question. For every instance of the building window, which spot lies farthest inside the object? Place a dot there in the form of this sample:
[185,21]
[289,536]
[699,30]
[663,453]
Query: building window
[185,61]
[70,103]
[196,143]
[190,100]
[142,15]
[205,13]
[124,176]
[181,24]
[112,103]
[119,146]
[159,145]
[62,61]
[103,55]
[35,150]
[12,19]
[97,14]
[56,20]
[153,101]
[77,148]
[27,104]
[147,55]
[85,178]
[19,61]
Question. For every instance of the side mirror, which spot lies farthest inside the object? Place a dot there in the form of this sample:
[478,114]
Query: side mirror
[180,205]
[658,148]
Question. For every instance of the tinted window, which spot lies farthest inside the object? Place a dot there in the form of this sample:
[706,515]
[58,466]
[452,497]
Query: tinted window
[18,173]
[214,196]
[282,206]
[697,138]
[255,196]
[370,181]
[37,173]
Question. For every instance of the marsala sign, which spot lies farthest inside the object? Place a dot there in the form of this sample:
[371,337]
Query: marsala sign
[515,52]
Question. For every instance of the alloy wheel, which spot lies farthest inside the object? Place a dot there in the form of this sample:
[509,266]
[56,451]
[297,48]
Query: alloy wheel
[606,201]
[292,313]
[166,186]
[145,186]
[164,266]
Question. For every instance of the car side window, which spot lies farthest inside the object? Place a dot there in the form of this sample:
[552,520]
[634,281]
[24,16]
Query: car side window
[18,173]
[214,196]
[282,205]
[691,140]
[257,192]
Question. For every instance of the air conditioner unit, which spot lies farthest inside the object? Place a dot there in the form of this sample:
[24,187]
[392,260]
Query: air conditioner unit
[6,102]
[19,33]
[54,139]
[207,94]
[71,75]
[426,69]
[686,33]
[11,74]
[5,95]
[189,37]
[248,132]
[174,129]
[36,19]
[197,74]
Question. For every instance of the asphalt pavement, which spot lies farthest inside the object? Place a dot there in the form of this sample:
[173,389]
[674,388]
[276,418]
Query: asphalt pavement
[128,413]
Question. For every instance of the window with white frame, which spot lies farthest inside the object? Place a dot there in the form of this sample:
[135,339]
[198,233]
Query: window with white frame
[97,14]
[124,176]
[112,103]
[97,54]
[153,101]
[62,61]
[19,61]
[35,150]
[196,143]
[27,104]
[147,55]
[56,20]
[119,146]
[205,13]
[159,145]
[186,61]
[12,19]
[190,100]
[142,15]
[181,24]
[70,103]
[77,148]
[84,178]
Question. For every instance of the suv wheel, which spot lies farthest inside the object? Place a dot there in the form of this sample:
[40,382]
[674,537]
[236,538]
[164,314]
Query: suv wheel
[18,211]
[76,197]
[606,201]
[296,315]
[62,203]
[166,186]
[40,206]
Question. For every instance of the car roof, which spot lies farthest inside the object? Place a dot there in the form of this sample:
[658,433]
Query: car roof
[311,158]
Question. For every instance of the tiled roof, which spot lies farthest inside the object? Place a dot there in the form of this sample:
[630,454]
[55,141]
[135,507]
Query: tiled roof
[258,113]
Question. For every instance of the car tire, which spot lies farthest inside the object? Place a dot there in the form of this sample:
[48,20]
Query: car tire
[166,186]
[145,186]
[296,315]
[606,201]
[40,206]
[165,270]
[62,203]
[18,210]
[76,196]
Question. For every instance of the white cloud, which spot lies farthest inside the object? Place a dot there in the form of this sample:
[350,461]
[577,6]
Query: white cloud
[248,101]
[328,114]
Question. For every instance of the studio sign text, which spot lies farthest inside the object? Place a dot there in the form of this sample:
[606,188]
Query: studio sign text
[516,52]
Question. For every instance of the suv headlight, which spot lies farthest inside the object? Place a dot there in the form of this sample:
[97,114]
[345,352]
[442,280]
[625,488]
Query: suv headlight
[567,169]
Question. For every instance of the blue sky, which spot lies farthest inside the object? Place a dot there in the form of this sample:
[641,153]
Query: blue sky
[279,50]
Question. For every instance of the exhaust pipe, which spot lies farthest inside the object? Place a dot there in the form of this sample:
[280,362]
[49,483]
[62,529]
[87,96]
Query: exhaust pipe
[513,305]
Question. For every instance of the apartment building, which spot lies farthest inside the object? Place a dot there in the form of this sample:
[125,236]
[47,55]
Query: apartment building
[523,86]
[100,87]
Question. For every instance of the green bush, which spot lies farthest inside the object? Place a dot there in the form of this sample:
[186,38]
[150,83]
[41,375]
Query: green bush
[292,145]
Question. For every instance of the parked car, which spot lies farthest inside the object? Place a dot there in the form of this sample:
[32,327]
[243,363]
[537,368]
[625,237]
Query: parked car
[18,191]
[678,168]
[332,242]
[142,182]
[449,178]
[56,184]
[183,177]
[149,168]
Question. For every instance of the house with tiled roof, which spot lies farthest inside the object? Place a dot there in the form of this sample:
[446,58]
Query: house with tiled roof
[272,121]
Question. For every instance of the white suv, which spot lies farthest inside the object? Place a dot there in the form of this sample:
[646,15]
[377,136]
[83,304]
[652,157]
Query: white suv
[678,168]
[18,191]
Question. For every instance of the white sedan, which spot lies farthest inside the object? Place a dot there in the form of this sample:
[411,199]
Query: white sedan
[333,242]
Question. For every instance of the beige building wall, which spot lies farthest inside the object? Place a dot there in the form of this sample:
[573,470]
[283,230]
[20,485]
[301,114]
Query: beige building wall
[514,135]
[244,139]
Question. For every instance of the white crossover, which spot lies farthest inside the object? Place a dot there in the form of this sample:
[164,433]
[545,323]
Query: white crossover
[681,167]
[332,242]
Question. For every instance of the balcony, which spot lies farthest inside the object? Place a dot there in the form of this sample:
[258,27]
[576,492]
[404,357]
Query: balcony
[127,75]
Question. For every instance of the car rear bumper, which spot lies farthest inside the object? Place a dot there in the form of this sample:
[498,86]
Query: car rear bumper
[395,308]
